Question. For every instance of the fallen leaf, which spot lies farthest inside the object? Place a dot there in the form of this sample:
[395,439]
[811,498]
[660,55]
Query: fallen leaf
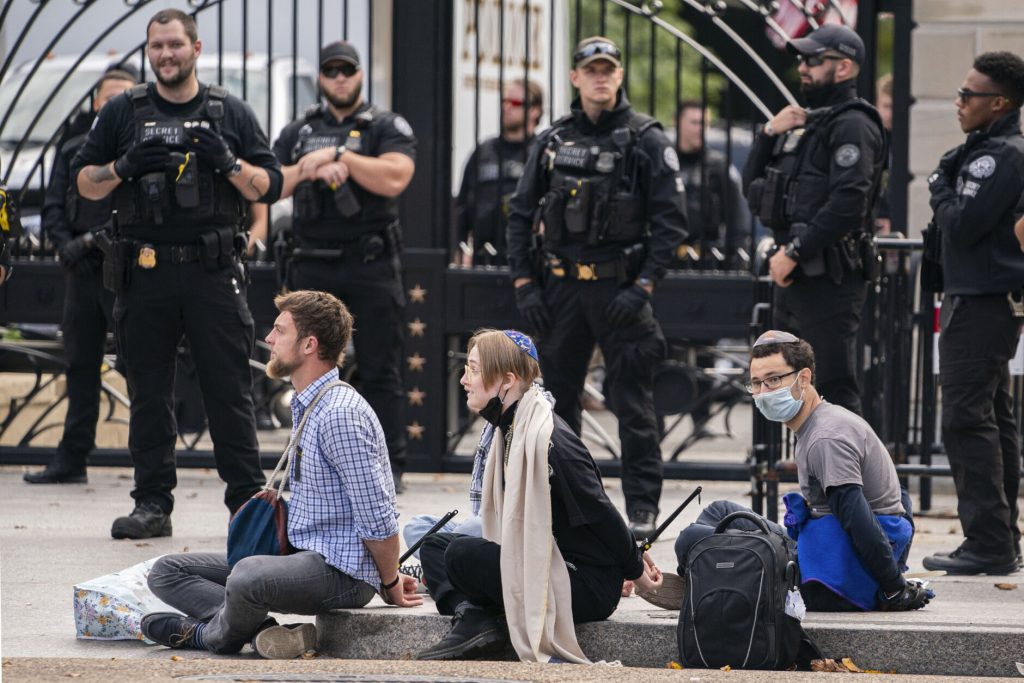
[1006,586]
[142,545]
[175,658]
[673,665]
[848,663]
[828,666]
[953,530]
[726,668]
[73,674]
[185,549]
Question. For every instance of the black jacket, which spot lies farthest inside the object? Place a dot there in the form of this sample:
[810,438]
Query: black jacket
[975,193]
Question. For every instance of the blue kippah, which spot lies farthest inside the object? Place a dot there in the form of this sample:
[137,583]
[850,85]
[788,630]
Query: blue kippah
[523,342]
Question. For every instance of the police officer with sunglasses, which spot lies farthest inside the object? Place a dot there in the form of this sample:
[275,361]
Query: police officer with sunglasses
[345,162]
[812,177]
[975,196]
[595,220]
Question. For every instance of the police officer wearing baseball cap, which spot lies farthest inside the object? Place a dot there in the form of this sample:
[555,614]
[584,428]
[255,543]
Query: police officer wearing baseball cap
[812,177]
[976,197]
[346,162]
[604,188]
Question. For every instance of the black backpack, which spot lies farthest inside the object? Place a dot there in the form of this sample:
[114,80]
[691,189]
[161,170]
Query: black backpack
[734,607]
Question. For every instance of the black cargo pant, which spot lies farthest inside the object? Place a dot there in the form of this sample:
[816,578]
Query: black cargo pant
[827,316]
[372,291]
[631,353]
[210,308]
[88,314]
[979,336]
[459,568]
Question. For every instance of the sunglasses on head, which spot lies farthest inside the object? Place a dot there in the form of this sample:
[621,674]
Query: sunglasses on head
[966,94]
[600,48]
[818,60]
[332,70]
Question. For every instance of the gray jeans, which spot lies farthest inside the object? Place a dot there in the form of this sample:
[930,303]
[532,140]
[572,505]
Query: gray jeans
[235,602]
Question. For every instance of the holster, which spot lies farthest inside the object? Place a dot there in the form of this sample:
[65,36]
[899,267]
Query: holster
[117,255]
[218,248]
[931,259]
[346,201]
[630,262]
[869,261]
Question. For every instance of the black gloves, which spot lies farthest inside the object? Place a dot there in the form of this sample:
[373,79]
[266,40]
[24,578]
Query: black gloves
[211,149]
[626,305]
[913,596]
[147,156]
[72,253]
[530,302]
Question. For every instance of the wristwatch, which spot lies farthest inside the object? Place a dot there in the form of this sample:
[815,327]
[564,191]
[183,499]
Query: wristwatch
[341,149]
[235,170]
[792,249]
[768,130]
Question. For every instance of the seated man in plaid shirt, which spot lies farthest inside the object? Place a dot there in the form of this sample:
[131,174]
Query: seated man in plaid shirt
[342,519]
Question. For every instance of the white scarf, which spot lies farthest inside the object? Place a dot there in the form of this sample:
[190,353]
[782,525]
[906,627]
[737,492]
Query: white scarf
[517,516]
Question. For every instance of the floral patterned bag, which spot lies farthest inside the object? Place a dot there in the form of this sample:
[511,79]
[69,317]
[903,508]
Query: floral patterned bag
[110,607]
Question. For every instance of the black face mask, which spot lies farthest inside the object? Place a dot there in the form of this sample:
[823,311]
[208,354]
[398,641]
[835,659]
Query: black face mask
[494,408]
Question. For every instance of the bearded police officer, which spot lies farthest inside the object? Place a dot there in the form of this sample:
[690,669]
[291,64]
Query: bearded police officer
[71,223]
[812,177]
[181,159]
[975,194]
[492,173]
[602,189]
[346,162]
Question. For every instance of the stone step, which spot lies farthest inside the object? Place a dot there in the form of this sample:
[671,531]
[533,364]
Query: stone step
[971,628]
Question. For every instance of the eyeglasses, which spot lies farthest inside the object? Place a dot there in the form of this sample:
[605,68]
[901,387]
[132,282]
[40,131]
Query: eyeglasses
[598,48]
[818,60]
[332,70]
[965,94]
[472,372]
[772,383]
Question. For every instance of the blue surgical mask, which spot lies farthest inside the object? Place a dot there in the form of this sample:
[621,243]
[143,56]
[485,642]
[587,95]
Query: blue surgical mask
[779,405]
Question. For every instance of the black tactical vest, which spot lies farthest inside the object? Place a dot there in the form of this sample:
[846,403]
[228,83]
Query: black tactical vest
[187,193]
[791,190]
[593,195]
[323,215]
[82,214]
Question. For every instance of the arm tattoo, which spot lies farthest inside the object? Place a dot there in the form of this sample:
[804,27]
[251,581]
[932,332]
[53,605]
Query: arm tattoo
[100,174]
[259,183]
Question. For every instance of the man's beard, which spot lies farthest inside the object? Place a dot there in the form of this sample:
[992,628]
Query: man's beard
[185,71]
[343,102]
[278,368]
[817,93]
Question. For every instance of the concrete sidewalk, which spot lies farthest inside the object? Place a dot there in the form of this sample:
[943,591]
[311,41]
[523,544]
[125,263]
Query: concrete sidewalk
[52,537]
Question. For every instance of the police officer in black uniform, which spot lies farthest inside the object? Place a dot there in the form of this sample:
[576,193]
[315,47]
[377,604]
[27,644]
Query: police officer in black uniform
[603,187]
[181,159]
[71,222]
[346,162]
[812,177]
[717,214]
[975,194]
[492,173]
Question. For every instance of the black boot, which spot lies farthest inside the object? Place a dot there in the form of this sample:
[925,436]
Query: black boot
[59,471]
[146,521]
[967,563]
[474,635]
[641,523]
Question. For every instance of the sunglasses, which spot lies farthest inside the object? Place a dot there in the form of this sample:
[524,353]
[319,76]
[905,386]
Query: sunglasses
[332,70]
[600,48]
[965,94]
[818,60]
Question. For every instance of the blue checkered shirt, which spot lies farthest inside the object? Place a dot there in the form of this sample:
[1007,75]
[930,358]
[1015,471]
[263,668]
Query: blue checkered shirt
[342,490]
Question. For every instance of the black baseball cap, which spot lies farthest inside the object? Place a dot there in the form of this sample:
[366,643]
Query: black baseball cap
[841,39]
[594,48]
[339,50]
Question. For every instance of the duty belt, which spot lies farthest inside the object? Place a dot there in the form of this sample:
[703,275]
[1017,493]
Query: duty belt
[149,255]
[583,271]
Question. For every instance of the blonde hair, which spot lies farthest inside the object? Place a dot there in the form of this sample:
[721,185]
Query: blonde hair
[499,355]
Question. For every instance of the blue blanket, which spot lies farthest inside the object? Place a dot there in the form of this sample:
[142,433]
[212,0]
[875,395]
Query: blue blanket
[826,555]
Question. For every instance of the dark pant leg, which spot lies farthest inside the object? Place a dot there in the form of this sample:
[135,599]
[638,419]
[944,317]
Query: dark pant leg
[302,583]
[148,325]
[192,583]
[595,591]
[435,572]
[473,566]
[566,349]
[219,327]
[979,336]
[818,598]
[88,314]
[828,317]
[631,354]
[1009,440]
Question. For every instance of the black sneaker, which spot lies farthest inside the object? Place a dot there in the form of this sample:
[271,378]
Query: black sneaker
[964,562]
[641,523]
[474,635]
[171,629]
[285,642]
[147,520]
[57,473]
